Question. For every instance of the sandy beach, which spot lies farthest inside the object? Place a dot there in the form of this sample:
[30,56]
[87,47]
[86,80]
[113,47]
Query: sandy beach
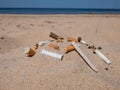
[42,72]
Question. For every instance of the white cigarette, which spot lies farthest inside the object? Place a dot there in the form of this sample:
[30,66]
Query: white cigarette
[52,54]
[102,56]
[84,56]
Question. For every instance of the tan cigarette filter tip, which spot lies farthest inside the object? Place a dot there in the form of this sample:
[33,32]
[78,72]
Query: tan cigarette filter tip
[30,52]
[71,39]
[53,46]
[69,48]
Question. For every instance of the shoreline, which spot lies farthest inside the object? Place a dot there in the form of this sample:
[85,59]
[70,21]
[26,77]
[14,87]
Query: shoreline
[81,15]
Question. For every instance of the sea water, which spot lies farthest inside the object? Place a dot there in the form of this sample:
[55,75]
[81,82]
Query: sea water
[57,11]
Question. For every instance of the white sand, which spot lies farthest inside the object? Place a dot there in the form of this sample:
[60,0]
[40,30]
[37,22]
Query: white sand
[41,72]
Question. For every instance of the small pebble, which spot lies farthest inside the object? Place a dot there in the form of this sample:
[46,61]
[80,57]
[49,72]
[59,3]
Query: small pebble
[79,39]
[89,47]
[99,47]
[94,52]
[1,37]
[106,69]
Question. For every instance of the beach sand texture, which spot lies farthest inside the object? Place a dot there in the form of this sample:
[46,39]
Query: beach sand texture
[41,72]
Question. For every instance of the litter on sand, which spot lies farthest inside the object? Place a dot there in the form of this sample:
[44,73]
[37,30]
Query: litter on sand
[78,49]
[53,46]
[42,43]
[52,54]
[102,56]
[69,49]
[55,36]
[73,45]
[31,51]
[96,50]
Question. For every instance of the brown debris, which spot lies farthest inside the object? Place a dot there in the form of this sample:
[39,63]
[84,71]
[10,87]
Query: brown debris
[30,52]
[1,37]
[54,46]
[69,48]
[53,35]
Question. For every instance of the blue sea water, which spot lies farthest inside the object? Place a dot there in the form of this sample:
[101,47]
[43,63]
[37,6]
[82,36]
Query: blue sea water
[57,11]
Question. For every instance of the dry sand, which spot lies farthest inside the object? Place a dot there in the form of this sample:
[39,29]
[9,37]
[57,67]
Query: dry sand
[41,72]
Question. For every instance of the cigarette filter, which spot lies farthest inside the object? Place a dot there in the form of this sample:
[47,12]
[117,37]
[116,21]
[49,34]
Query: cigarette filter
[69,48]
[54,46]
[53,35]
[102,56]
[30,51]
[52,54]
[71,39]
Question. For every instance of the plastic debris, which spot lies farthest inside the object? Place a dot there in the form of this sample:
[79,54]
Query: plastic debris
[42,43]
[96,51]
[52,54]
[83,42]
[76,44]
[102,56]
[78,49]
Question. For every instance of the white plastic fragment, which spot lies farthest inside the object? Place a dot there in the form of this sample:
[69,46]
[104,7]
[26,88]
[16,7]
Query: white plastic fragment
[83,42]
[84,56]
[41,43]
[52,54]
[102,56]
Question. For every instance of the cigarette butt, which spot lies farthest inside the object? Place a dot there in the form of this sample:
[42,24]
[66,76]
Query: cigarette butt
[71,39]
[52,54]
[53,35]
[102,56]
[30,51]
[69,48]
[54,46]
